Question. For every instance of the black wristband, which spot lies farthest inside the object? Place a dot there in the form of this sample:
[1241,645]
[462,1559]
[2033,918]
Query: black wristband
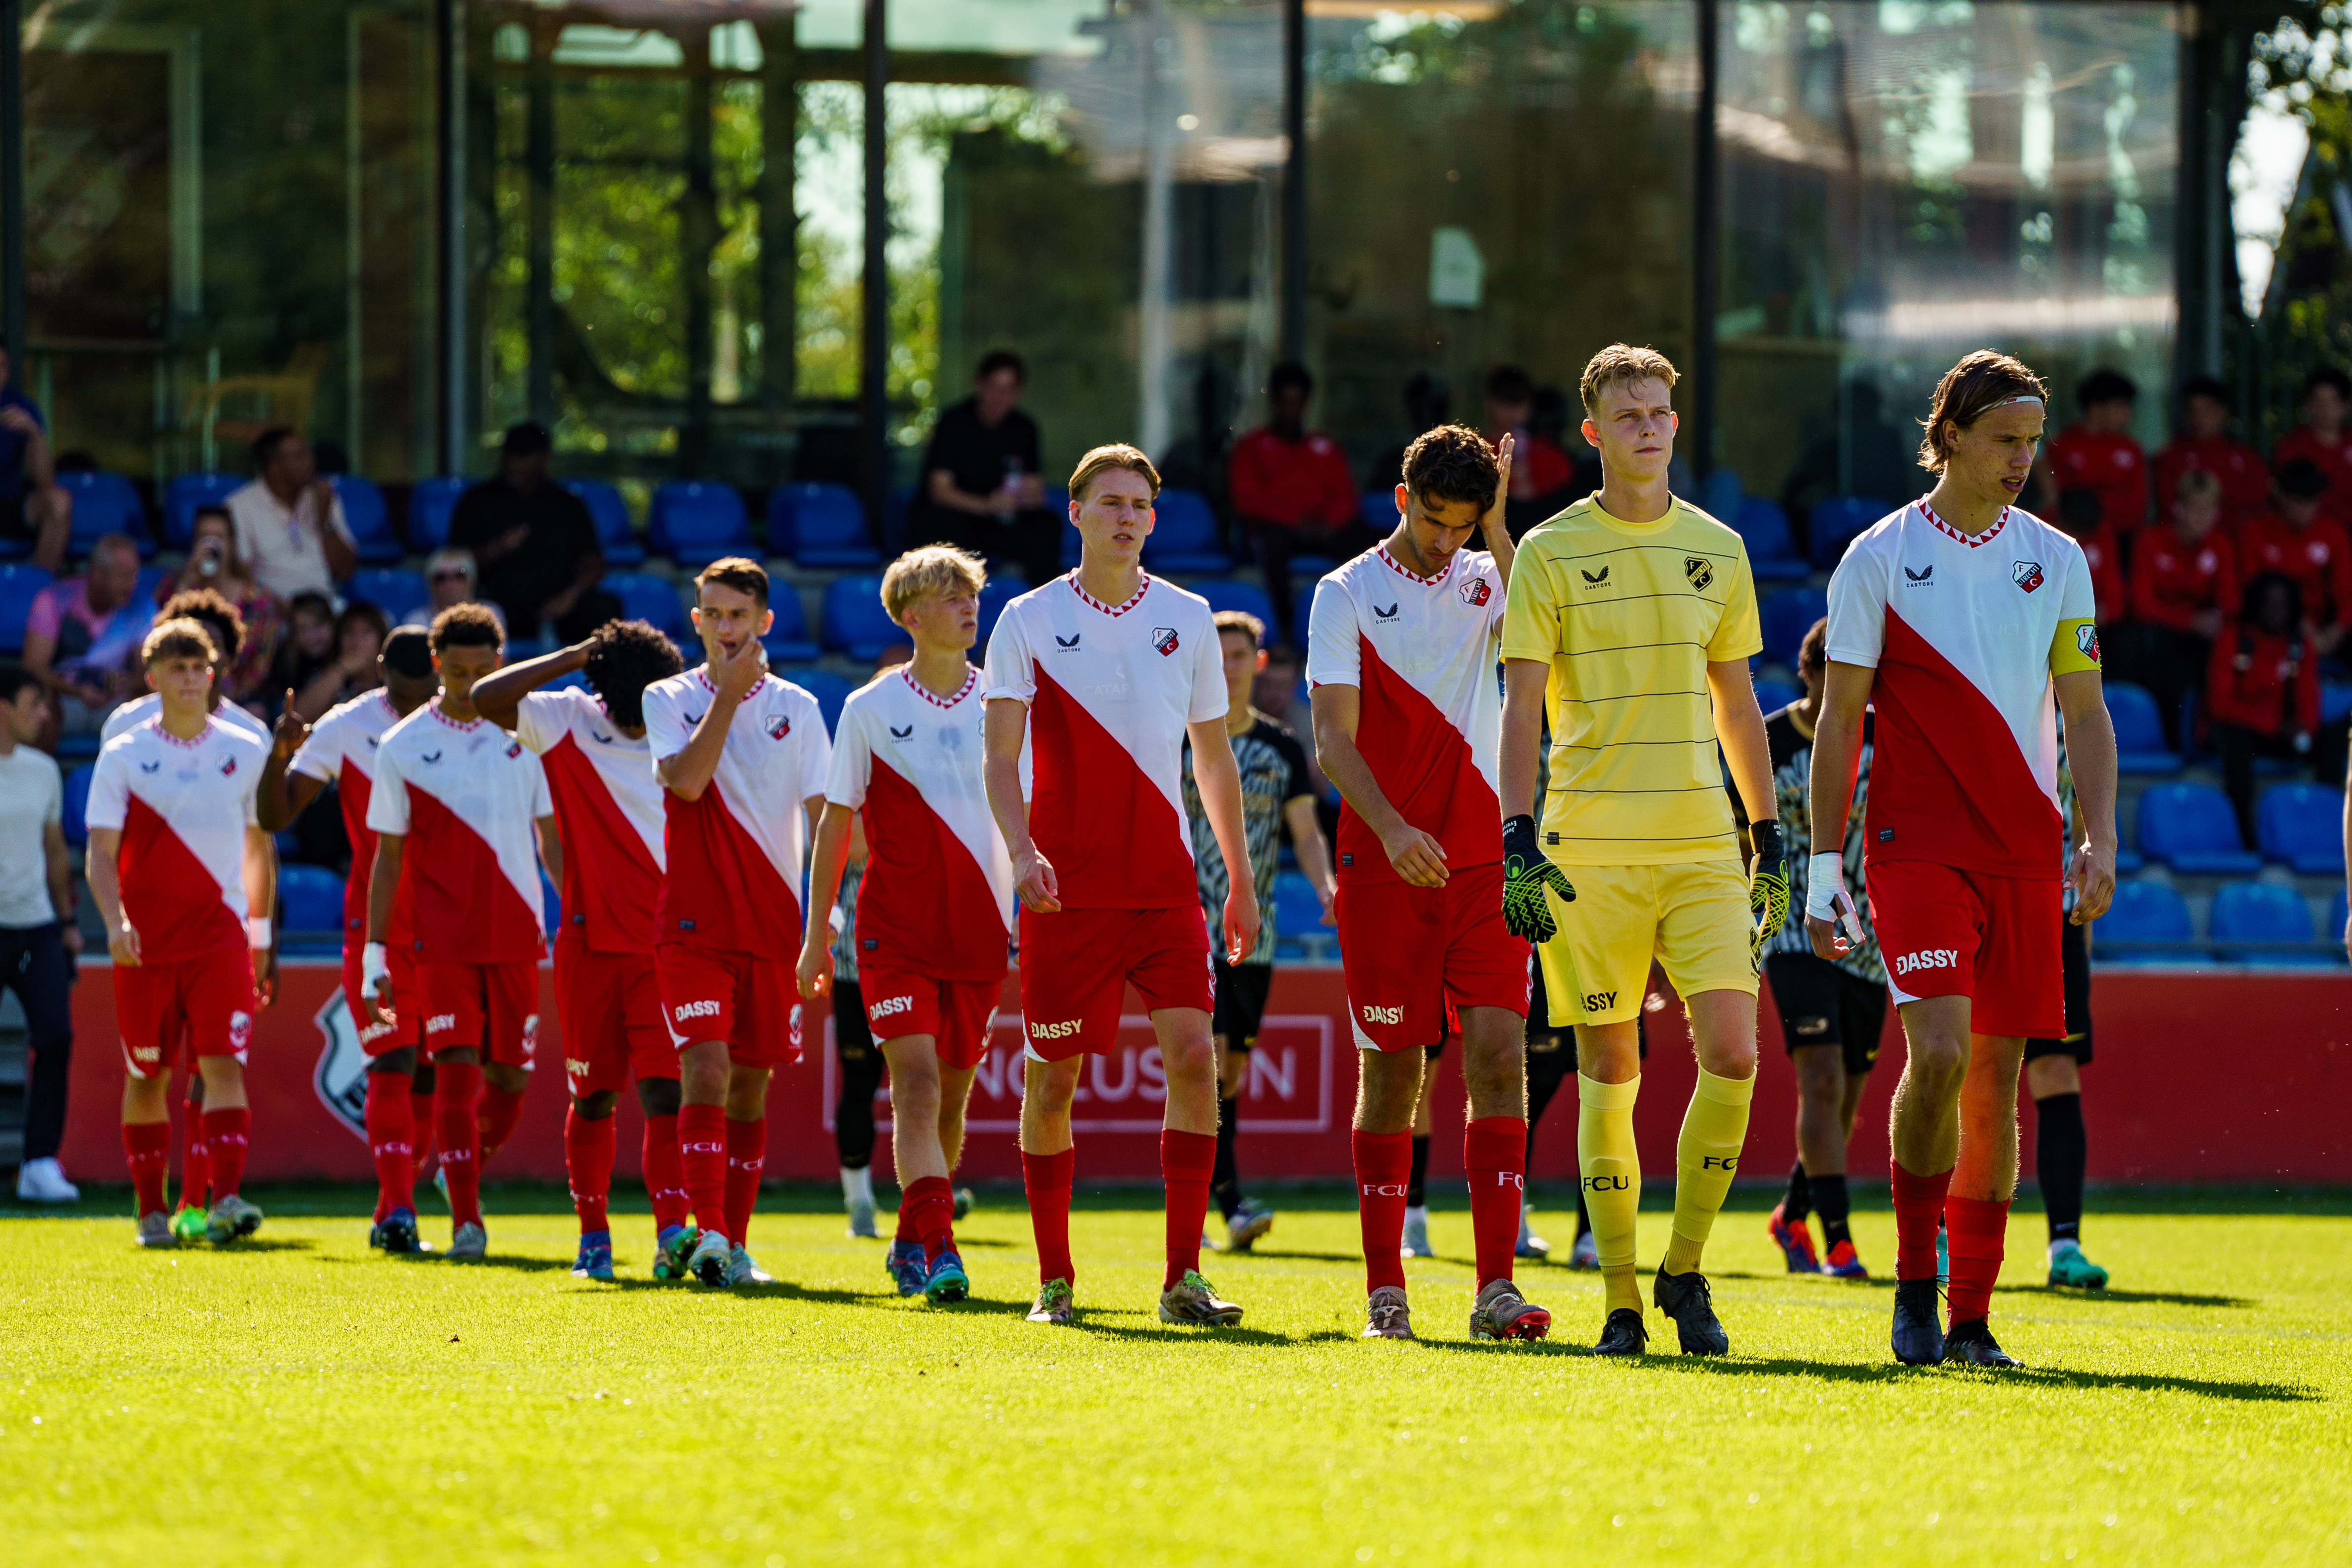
[1519,838]
[1765,838]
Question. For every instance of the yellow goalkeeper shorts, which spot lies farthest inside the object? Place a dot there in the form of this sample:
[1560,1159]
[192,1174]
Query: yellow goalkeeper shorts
[1691,917]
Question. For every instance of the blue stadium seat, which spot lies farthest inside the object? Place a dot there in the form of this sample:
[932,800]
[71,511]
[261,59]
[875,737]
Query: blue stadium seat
[2140,730]
[430,502]
[1184,534]
[2303,824]
[1238,593]
[1788,615]
[2192,829]
[1835,521]
[188,492]
[614,537]
[2265,912]
[395,589]
[1772,695]
[820,525]
[76,810]
[787,642]
[370,522]
[650,599]
[854,621]
[151,578]
[2339,914]
[104,503]
[1298,916]
[1302,610]
[694,523]
[897,507]
[1771,556]
[830,688]
[1377,507]
[999,592]
[2146,911]
[20,583]
[311,901]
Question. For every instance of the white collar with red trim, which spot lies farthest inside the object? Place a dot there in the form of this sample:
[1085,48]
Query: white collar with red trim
[1973,542]
[194,741]
[1407,572]
[1141,589]
[702,673]
[461,725]
[970,679]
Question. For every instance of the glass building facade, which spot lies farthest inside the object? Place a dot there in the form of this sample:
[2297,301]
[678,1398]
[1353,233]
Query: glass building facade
[405,223]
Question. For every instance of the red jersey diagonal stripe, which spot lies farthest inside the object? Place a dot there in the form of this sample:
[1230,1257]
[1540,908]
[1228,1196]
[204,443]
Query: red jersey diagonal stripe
[1424,766]
[170,897]
[479,917]
[1114,839]
[620,896]
[722,891]
[924,897]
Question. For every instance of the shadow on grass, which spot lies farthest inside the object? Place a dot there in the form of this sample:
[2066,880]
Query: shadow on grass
[252,1244]
[2020,1377]
[2061,1292]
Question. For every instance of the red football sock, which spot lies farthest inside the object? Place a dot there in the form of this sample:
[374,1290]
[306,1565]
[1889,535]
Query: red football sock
[906,1231]
[391,1138]
[1187,1160]
[501,1109]
[1493,1160]
[588,1161]
[1979,1226]
[930,1203]
[1918,1215]
[148,1147]
[665,1181]
[747,1152]
[196,1161]
[456,1087]
[226,1135]
[1383,1167]
[1048,1178]
[420,1121]
[702,1161]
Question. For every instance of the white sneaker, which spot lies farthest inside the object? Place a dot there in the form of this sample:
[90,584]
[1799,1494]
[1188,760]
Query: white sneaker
[742,1271]
[1530,1245]
[44,1181]
[1586,1253]
[1416,1234]
[861,1222]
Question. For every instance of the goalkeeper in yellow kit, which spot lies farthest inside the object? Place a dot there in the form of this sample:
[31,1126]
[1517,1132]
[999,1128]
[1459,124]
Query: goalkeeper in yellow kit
[1635,615]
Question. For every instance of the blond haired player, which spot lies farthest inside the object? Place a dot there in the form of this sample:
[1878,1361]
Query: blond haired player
[1962,653]
[1633,614]
[934,923]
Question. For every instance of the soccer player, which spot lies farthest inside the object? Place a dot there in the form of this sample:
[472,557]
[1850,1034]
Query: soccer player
[934,922]
[341,750]
[859,1058]
[1401,661]
[184,880]
[2053,1077]
[1635,615]
[1960,618]
[743,755]
[1276,794]
[455,807]
[1832,1010]
[1115,669]
[609,805]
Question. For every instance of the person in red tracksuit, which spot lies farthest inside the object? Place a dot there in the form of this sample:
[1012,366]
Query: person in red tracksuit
[2261,689]
[2082,516]
[2294,538]
[2184,584]
[1291,491]
[2097,452]
[2204,441]
[2324,438]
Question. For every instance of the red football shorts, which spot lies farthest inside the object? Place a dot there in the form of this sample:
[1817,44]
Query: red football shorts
[751,1003]
[1945,932]
[489,1008]
[405,1025]
[1411,954]
[610,1005]
[207,1001]
[1075,967]
[954,1013]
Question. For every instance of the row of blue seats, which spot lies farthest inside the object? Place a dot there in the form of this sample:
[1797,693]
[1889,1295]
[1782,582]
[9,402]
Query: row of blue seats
[2250,923]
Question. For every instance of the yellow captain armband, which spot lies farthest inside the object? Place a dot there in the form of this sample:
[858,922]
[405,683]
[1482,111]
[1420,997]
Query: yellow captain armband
[2074,648]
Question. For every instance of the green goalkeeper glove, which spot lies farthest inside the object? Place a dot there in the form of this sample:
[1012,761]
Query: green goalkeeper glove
[1526,872]
[1767,887]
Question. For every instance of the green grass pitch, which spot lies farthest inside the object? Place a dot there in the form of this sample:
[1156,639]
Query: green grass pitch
[300,1400]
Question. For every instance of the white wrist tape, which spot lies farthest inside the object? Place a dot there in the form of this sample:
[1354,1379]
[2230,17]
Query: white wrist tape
[260,935]
[375,968]
[1824,879]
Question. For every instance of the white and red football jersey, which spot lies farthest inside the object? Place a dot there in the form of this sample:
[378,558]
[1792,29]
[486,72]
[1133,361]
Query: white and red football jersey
[340,750]
[734,857]
[138,710]
[182,807]
[937,898]
[1965,635]
[1111,689]
[1422,650]
[609,804]
[469,797]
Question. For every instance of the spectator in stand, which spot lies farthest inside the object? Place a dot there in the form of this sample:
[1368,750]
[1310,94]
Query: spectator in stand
[38,939]
[1542,474]
[983,480]
[451,579]
[2081,517]
[32,504]
[2262,688]
[2098,452]
[1428,401]
[2204,441]
[309,646]
[288,523]
[82,635]
[214,562]
[1291,491]
[358,639]
[2322,439]
[2184,582]
[2291,538]
[534,545]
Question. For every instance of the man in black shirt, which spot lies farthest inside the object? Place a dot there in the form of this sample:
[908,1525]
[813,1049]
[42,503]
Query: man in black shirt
[982,489]
[535,543]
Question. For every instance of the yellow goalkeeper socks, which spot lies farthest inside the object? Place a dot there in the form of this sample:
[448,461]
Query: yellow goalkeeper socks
[1704,1161]
[1612,1180]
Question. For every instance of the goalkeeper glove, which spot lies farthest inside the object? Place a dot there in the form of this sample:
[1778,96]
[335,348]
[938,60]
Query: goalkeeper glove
[1526,872]
[1767,887]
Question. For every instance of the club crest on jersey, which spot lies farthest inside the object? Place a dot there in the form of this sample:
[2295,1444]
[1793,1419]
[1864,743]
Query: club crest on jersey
[1164,639]
[1476,592]
[1388,614]
[1700,573]
[2026,574]
[228,766]
[781,728]
[1594,579]
[514,749]
[2086,641]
